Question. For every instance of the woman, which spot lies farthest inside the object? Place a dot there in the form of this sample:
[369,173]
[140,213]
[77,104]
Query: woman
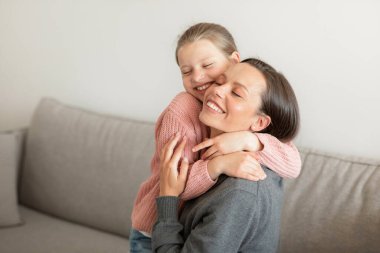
[236,215]
[204,51]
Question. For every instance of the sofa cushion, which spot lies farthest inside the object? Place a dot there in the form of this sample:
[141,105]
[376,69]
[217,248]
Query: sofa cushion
[45,234]
[334,205]
[85,167]
[10,148]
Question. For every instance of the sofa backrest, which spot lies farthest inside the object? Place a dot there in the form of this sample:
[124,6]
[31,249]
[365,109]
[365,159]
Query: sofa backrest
[85,167]
[333,206]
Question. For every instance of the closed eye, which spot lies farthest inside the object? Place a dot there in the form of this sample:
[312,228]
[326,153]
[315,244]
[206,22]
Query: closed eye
[208,65]
[236,94]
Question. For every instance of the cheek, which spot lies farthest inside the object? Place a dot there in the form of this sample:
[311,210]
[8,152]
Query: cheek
[186,82]
[239,110]
[217,71]
[241,115]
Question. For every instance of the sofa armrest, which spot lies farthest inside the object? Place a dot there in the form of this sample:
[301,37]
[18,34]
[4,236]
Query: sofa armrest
[21,134]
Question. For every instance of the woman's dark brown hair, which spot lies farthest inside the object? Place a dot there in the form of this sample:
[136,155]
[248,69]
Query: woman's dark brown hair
[278,102]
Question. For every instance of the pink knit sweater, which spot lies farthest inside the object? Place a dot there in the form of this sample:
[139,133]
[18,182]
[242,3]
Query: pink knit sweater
[182,115]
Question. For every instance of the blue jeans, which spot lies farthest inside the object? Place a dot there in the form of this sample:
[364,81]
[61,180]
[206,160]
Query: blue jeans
[139,243]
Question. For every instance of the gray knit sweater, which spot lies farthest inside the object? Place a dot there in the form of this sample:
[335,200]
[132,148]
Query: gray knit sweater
[235,215]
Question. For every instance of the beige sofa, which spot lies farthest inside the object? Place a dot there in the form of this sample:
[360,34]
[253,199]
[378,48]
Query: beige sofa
[79,172]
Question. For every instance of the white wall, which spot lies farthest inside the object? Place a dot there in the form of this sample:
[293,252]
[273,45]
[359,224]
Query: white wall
[118,57]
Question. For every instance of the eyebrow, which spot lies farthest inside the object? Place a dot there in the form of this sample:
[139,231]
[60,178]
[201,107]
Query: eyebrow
[242,86]
[183,67]
[206,58]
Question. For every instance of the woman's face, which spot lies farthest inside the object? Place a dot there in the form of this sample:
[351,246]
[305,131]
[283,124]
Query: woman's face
[233,102]
[201,62]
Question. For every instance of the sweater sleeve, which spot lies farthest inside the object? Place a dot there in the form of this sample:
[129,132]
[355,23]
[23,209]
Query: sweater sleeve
[234,213]
[282,158]
[198,180]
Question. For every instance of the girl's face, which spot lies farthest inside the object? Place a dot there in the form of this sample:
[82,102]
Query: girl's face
[201,62]
[233,102]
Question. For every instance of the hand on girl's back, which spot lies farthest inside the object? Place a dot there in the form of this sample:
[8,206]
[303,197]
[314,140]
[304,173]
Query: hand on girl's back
[172,181]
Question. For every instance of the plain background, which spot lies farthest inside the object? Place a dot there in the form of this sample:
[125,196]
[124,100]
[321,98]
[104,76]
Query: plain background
[117,57]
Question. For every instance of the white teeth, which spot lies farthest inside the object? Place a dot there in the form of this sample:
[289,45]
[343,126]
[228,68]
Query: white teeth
[203,87]
[214,107]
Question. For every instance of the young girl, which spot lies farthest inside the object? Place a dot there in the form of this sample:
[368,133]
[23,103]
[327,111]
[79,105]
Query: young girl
[203,53]
[235,215]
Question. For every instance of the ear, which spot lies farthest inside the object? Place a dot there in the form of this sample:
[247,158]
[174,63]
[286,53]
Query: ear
[235,57]
[261,122]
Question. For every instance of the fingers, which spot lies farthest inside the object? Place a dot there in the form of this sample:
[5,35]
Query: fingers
[252,170]
[252,177]
[202,145]
[167,150]
[214,155]
[256,171]
[258,176]
[172,180]
[179,151]
[209,152]
[254,155]
[184,169]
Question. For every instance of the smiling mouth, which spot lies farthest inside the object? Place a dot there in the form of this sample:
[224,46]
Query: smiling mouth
[214,107]
[203,87]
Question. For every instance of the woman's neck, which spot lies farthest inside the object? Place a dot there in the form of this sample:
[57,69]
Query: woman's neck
[214,132]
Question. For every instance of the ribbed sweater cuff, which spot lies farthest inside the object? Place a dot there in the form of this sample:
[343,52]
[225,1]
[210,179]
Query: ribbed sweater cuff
[263,138]
[167,207]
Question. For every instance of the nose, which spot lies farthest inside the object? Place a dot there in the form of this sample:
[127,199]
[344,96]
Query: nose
[221,90]
[198,76]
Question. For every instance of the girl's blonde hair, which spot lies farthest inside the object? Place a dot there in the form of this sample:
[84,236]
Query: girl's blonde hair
[215,33]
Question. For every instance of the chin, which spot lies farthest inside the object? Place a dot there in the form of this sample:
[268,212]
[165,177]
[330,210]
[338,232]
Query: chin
[201,118]
[209,120]
[204,119]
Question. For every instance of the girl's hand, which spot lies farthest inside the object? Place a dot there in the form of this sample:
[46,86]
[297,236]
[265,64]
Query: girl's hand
[172,182]
[227,143]
[238,164]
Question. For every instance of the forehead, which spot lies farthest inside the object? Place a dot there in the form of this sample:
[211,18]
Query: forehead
[246,75]
[198,50]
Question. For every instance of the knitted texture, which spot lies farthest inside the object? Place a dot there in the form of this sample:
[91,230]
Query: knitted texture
[282,158]
[182,115]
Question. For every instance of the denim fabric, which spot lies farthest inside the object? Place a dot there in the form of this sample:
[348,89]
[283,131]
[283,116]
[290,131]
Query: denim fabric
[139,243]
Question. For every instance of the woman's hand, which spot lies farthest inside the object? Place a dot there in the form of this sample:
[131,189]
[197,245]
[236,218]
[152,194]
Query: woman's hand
[172,182]
[239,164]
[227,143]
